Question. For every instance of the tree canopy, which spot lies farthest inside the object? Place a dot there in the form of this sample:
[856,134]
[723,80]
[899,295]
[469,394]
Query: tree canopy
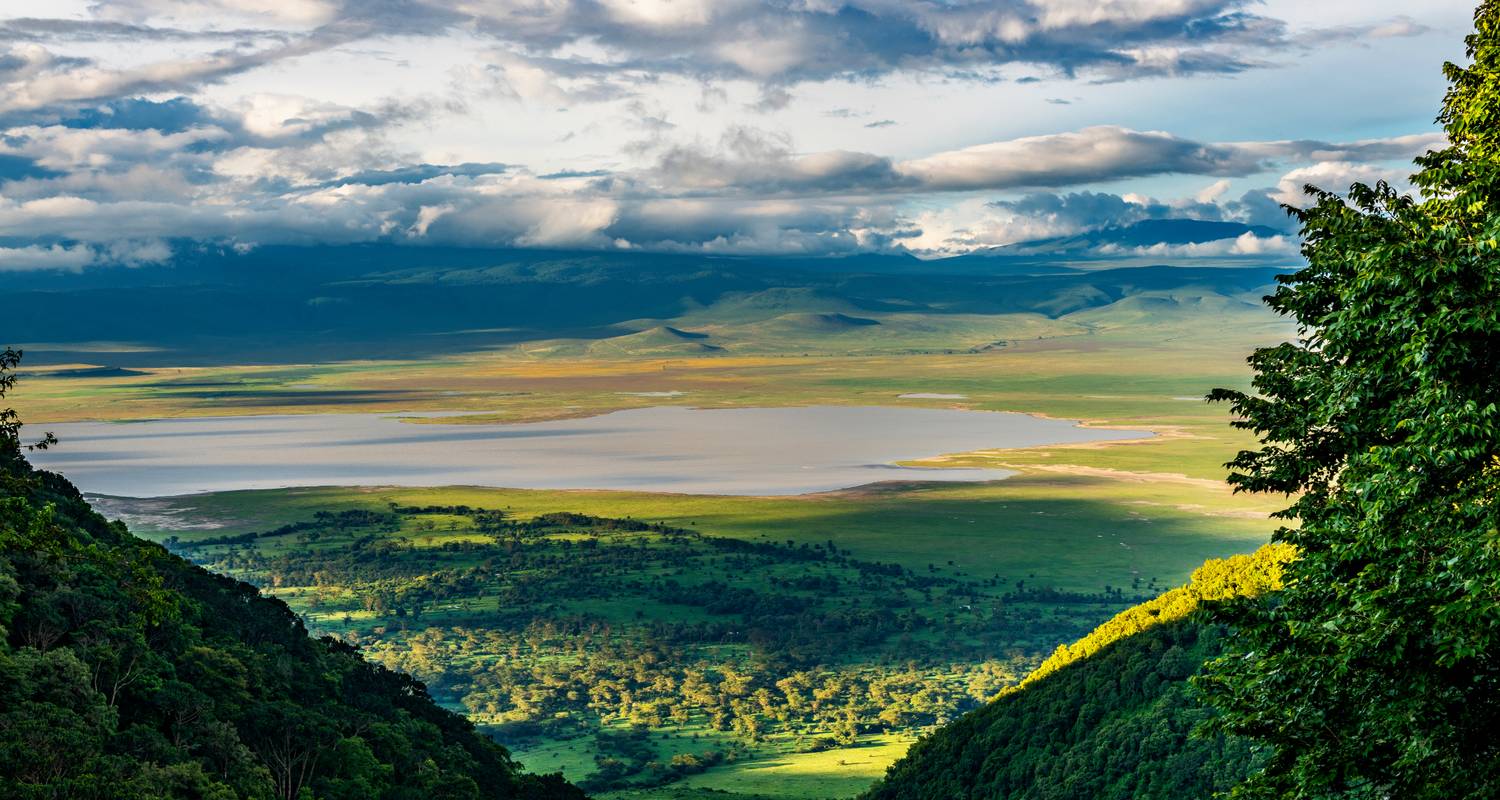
[1376,671]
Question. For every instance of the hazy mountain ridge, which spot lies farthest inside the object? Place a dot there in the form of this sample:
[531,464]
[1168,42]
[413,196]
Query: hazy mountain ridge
[328,303]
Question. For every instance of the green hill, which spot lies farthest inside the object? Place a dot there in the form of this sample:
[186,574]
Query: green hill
[1110,716]
[127,672]
[834,322]
[659,340]
[1173,308]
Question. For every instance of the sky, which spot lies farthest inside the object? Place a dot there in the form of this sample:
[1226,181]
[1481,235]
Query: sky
[133,130]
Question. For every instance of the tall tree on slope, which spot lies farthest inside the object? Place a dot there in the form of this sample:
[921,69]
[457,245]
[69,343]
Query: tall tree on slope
[1376,672]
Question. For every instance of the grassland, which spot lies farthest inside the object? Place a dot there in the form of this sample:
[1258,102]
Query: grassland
[1130,360]
[1132,516]
[1076,532]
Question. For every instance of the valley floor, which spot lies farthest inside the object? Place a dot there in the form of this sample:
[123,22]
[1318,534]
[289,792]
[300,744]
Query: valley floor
[986,579]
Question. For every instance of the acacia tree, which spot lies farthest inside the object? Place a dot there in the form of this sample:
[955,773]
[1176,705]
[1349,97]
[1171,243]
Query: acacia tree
[1376,671]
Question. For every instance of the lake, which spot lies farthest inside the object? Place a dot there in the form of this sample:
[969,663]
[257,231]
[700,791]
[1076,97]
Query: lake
[743,451]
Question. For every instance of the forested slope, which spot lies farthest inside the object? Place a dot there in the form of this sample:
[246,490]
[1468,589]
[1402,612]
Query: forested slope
[1111,716]
[128,672]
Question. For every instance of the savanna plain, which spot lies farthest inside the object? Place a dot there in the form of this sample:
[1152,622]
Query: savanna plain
[662,644]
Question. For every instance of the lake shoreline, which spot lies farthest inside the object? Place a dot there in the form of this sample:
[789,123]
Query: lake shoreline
[772,451]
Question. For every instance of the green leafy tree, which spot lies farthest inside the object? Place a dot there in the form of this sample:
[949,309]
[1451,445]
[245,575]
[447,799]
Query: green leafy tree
[1376,671]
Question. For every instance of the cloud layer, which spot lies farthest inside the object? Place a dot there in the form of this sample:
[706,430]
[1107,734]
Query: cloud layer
[141,122]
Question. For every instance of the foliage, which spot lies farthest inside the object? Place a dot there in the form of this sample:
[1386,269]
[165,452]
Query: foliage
[1218,579]
[1110,716]
[127,672]
[567,626]
[1376,672]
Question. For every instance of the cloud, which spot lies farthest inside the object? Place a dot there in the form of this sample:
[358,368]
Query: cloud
[1044,216]
[1401,26]
[750,160]
[276,169]
[46,80]
[136,123]
[35,29]
[308,13]
[772,98]
[418,173]
[1335,176]
[1397,147]
[1246,244]
[1078,211]
[75,257]
[978,224]
[37,257]
[139,114]
[545,80]
[561,52]
[608,44]
[18,167]
[1087,156]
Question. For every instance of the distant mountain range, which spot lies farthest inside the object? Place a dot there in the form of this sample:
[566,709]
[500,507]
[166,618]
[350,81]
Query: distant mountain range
[329,303]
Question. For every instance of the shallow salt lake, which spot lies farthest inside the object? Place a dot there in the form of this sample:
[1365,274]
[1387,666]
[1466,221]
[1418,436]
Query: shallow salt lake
[744,451]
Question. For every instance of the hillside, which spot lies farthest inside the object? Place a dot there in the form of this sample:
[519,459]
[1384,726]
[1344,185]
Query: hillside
[1111,716]
[657,341]
[128,672]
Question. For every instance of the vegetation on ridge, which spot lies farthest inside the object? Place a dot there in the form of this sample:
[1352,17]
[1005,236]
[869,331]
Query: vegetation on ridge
[1241,576]
[1109,717]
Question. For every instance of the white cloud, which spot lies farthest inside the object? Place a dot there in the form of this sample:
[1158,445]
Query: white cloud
[298,13]
[1213,191]
[670,14]
[46,80]
[75,257]
[282,135]
[1090,155]
[1336,176]
[37,257]
[1246,244]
